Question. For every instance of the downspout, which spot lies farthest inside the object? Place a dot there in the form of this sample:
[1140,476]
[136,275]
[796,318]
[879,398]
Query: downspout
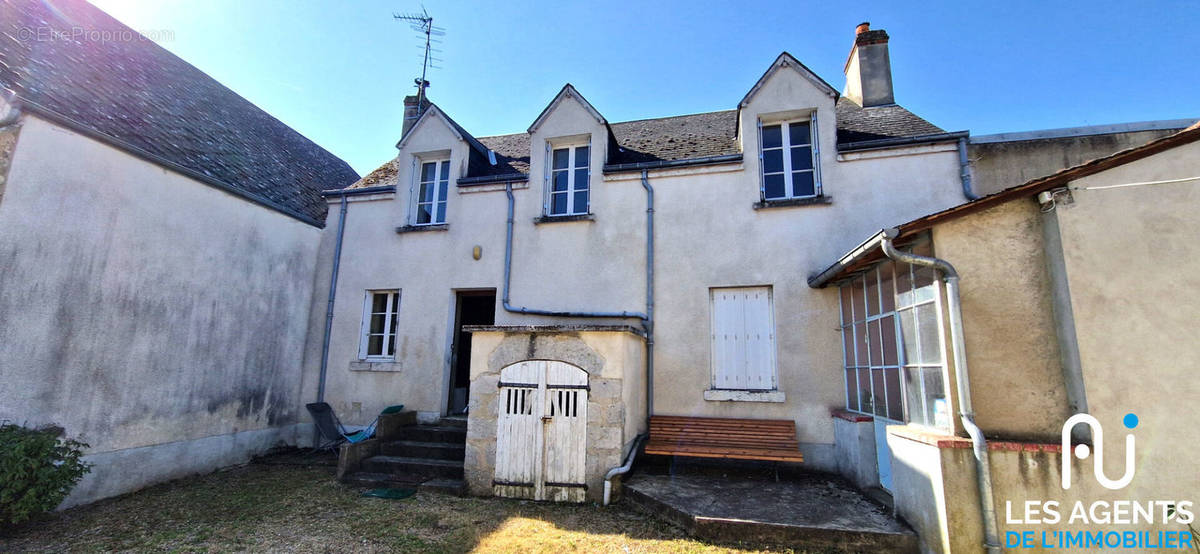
[648,323]
[1064,314]
[621,470]
[964,168]
[337,259]
[966,412]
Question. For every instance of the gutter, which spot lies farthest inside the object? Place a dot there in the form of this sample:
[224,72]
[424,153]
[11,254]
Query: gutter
[966,412]
[819,280]
[358,192]
[664,164]
[899,141]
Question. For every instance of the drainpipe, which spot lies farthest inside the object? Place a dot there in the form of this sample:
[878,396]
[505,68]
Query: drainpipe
[1064,314]
[337,259]
[966,412]
[621,470]
[508,278]
[964,168]
[648,323]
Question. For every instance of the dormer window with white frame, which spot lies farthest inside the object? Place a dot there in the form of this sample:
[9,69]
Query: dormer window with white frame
[568,179]
[790,158]
[430,191]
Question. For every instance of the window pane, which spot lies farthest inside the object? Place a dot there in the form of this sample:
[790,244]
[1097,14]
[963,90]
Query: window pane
[923,275]
[847,316]
[560,181]
[801,158]
[931,352]
[851,389]
[442,191]
[377,322]
[581,156]
[802,184]
[879,399]
[798,133]
[561,158]
[856,290]
[873,345]
[887,326]
[848,344]
[937,413]
[912,395]
[424,215]
[771,136]
[379,303]
[772,161]
[394,312]
[903,286]
[581,202]
[427,171]
[445,170]
[425,194]
[773,186]
[558,204]
[886,290]
[895,407]
[860,340]
[391,350]
[872,293]
[441,212]
[375,345]
[908,334]
[581,179]
[864,390]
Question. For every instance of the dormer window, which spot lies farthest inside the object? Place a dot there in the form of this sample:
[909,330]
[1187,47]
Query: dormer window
[568,190]
[789,159]
[432,185]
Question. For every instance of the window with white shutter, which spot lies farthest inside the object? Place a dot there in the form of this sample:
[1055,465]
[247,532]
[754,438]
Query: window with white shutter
[743,339]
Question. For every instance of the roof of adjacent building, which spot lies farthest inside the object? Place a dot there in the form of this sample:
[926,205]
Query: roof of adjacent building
[690,137]
[135,95]
[867,253]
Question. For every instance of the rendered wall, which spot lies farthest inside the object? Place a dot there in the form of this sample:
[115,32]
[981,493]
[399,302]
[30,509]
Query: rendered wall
[156,318]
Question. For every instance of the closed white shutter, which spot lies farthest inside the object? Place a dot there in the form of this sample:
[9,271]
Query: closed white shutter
[743,339]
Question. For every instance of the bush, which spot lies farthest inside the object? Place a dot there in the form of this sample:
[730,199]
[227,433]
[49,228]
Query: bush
[37,470]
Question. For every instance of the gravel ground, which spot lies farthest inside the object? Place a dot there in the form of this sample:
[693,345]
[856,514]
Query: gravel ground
[296,508]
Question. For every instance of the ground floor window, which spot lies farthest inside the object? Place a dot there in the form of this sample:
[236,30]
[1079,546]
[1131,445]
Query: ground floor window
[379,325]
[893,347]
[743,339]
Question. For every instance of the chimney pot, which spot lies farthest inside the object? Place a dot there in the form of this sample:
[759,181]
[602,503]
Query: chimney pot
[862,28]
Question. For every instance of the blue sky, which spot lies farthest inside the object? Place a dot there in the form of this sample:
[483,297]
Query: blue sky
[337,71]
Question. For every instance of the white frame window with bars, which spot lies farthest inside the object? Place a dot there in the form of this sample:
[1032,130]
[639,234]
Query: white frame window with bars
[430,190]
[789,158]
[381,310]
[568,178]
[743,339]
[893,344]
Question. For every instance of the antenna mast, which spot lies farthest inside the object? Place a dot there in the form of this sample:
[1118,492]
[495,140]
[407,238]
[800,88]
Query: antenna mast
[423,24]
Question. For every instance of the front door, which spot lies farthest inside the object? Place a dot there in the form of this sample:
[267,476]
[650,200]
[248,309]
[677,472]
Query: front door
[541,431]
[471,308]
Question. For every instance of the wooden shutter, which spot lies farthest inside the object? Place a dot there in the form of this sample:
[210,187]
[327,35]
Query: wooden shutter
[743,339]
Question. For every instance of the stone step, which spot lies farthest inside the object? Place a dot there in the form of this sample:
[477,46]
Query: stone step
[431,433]
[419,449]
[453,421]
[413,469]
[456,487]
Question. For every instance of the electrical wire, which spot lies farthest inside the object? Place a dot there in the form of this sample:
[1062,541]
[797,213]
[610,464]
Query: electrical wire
[1166,182]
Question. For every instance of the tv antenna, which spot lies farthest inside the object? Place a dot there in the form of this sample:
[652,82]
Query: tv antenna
[422,23]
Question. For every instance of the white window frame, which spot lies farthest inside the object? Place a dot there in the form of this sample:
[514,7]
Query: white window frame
[441,164]
[572,167]
[714,355]
[391,311]
[785,147]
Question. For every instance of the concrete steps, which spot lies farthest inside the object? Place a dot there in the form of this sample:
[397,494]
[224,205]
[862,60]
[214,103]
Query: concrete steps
[425,457]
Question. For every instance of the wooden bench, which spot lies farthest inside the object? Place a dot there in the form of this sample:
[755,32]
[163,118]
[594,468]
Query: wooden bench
[712,437]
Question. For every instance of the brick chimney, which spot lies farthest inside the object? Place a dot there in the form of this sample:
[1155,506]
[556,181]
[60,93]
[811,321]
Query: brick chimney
[411,114]
[869,69]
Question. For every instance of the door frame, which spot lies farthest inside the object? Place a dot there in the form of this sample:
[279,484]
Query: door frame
[452,343]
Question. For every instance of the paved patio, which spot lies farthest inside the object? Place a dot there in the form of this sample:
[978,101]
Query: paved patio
[806,510]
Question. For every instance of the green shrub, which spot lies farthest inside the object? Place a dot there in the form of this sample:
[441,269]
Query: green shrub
[37,470]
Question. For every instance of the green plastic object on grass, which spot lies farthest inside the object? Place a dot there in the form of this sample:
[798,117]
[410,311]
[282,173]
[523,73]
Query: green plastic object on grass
[393,409]
[394,494]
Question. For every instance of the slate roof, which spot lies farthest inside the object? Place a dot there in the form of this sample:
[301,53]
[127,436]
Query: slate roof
[858,124]
[138,96]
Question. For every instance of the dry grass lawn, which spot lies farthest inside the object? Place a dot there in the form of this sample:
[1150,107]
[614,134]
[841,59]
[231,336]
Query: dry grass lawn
[295,508]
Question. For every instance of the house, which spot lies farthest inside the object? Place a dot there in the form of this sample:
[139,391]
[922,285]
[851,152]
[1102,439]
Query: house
[465,256]
[158,236]
[1075,298]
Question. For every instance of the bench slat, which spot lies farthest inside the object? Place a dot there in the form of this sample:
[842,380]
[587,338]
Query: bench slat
[746,439]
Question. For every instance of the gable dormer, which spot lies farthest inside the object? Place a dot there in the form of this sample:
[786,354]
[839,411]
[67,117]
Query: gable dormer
[569,142]
[787,127]
[435,152]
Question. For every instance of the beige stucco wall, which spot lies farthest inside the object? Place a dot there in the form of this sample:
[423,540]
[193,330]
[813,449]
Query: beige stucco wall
[1008,323]
[142,311]
[707,235]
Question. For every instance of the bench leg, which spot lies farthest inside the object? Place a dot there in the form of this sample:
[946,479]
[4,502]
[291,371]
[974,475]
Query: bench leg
[776,464]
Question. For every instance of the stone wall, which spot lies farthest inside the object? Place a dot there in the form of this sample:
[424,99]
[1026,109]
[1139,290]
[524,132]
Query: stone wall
[604,353]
